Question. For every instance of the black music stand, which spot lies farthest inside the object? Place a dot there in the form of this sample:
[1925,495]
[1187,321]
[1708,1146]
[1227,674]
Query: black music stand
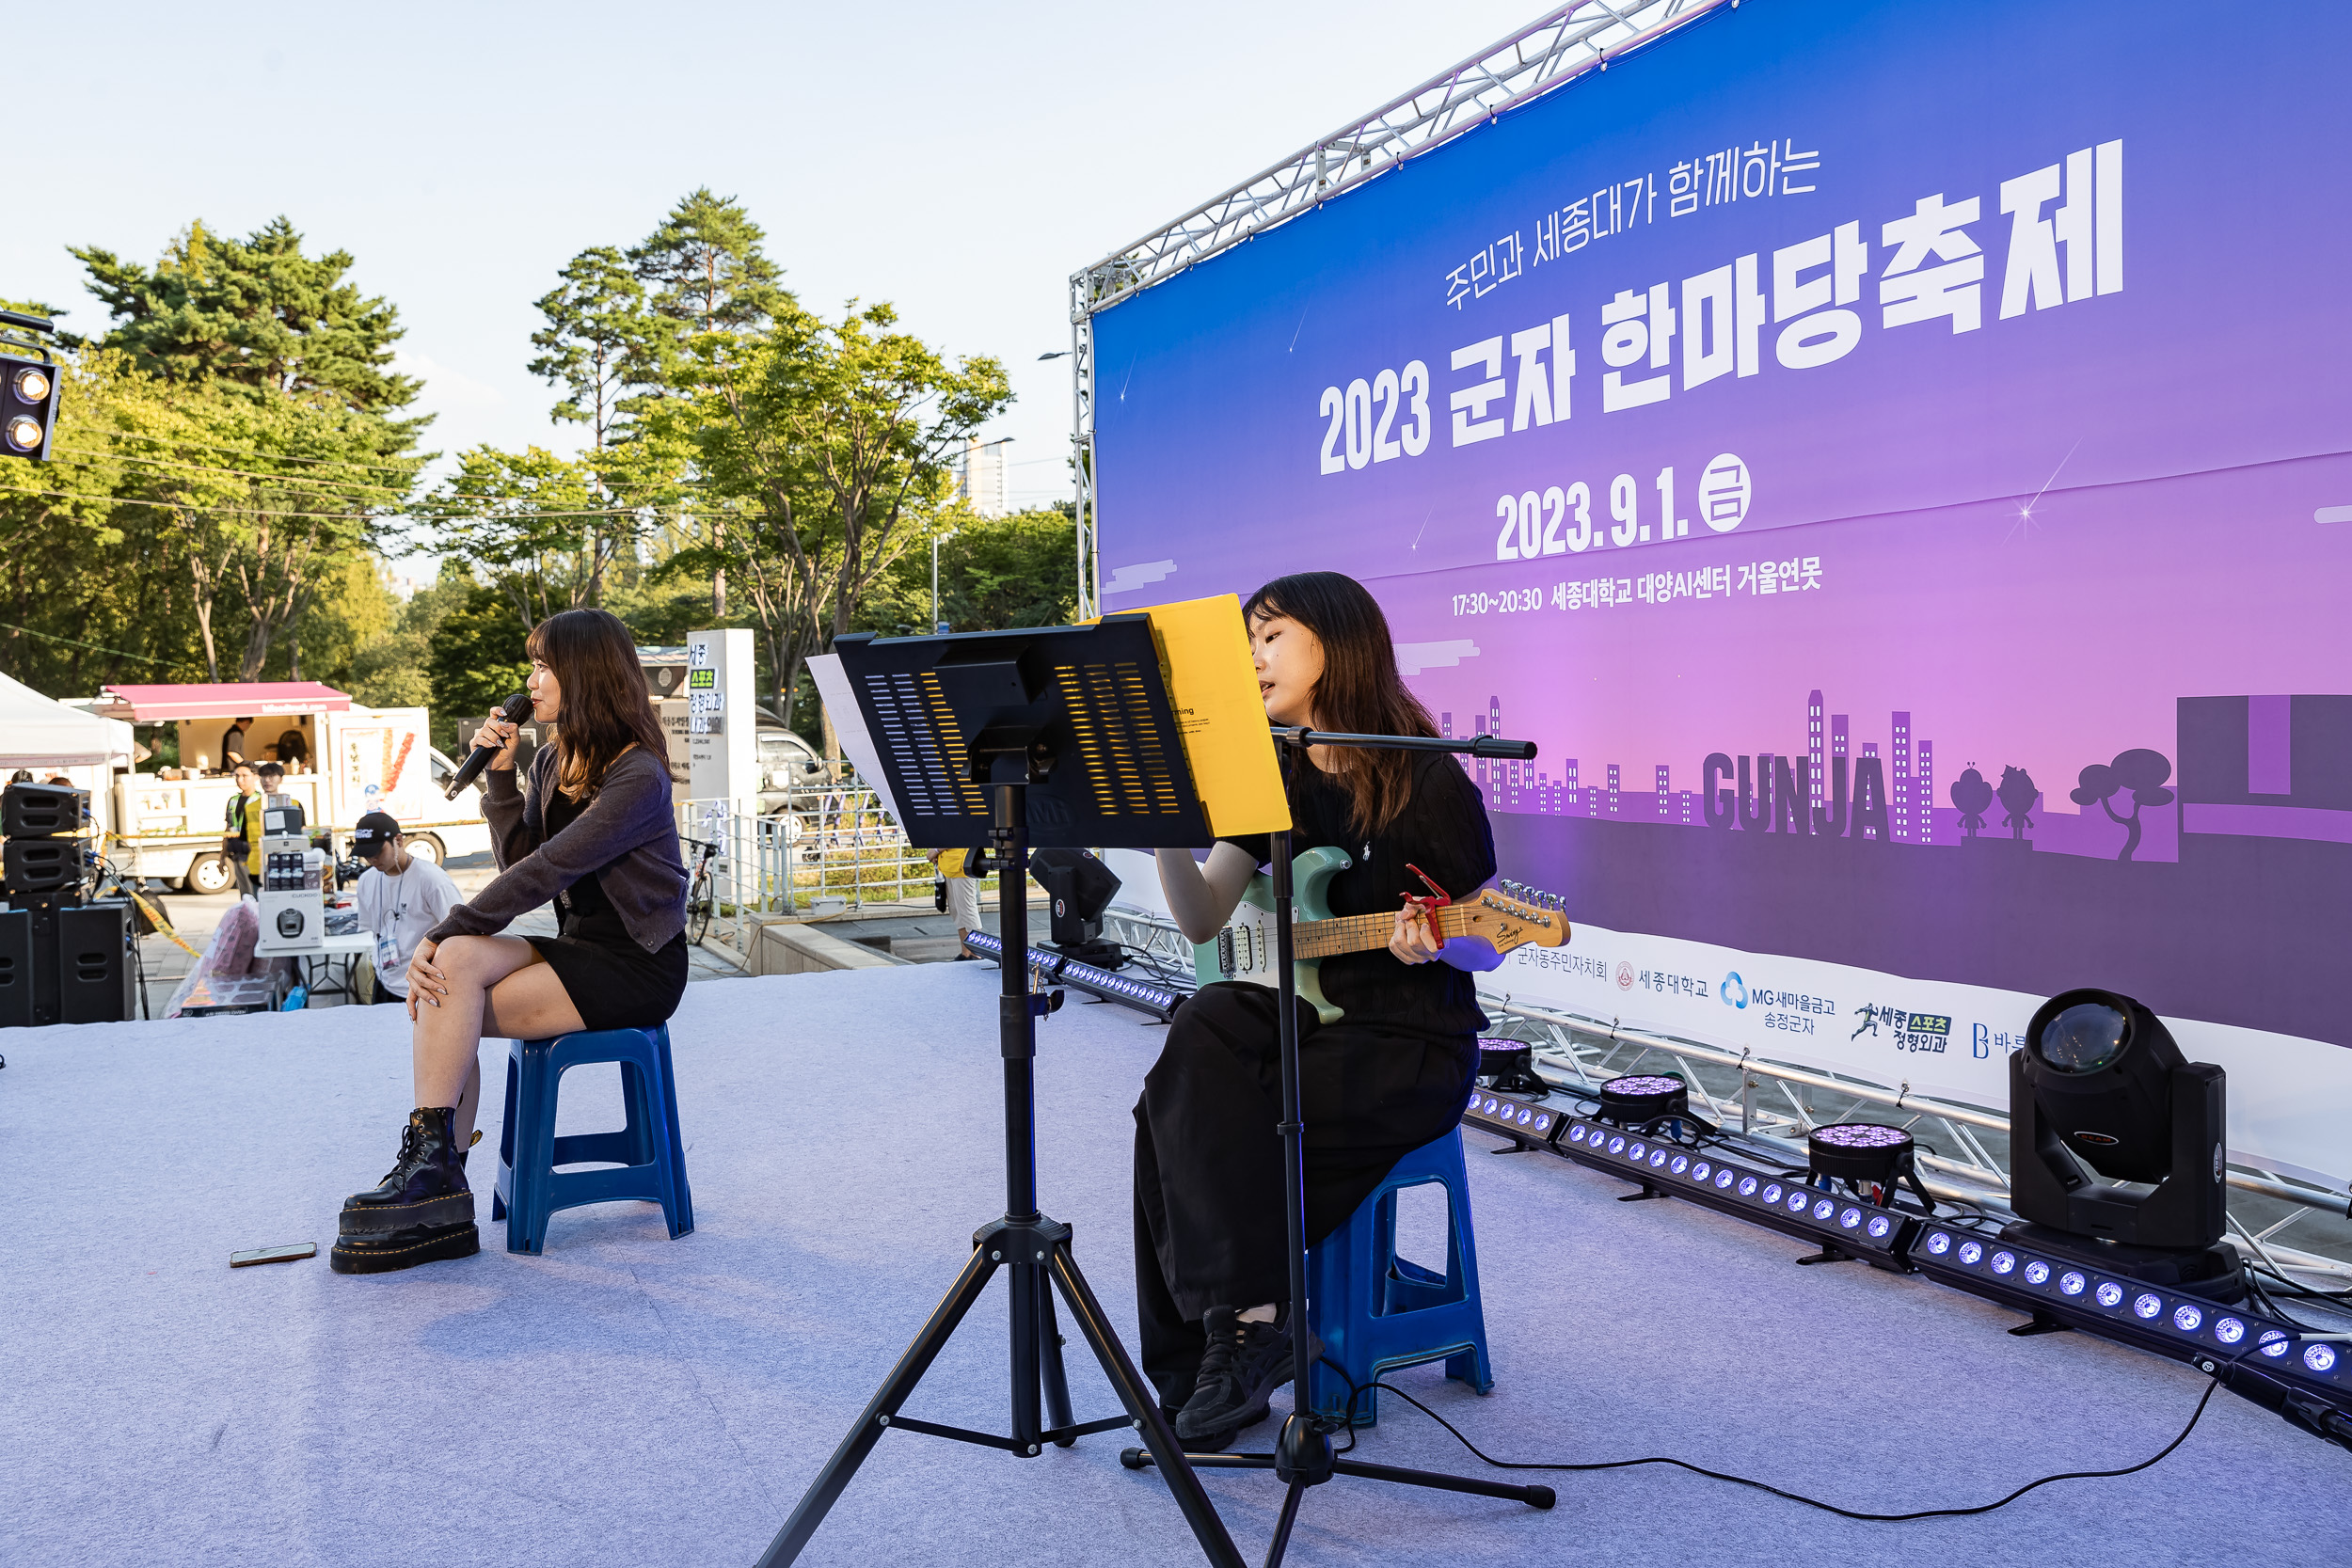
[1072,744]
[1303,1455]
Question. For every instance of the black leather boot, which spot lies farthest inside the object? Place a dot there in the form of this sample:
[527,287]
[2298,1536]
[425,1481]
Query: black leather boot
[421,1211]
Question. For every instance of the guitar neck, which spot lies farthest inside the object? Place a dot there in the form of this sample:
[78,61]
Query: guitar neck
[1359,933]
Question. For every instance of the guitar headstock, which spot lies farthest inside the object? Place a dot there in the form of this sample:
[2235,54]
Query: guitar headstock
[1508,916]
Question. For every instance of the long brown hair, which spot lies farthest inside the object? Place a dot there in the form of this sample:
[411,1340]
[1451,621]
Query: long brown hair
[604,705]
[1360,691]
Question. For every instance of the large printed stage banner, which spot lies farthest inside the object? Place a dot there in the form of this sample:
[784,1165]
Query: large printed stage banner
[1893,458]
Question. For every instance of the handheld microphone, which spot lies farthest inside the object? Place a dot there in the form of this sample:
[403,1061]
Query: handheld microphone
[513,711]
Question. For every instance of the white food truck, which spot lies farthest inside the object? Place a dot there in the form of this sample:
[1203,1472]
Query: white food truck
[342,760]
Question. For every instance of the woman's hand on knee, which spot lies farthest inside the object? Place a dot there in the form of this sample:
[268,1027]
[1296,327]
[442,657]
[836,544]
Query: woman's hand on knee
[426,982]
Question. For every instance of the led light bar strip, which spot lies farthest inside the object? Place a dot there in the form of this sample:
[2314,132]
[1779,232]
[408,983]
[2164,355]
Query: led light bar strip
[1158,1001]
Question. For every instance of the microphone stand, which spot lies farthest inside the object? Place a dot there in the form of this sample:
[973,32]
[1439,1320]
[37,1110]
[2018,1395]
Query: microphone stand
[1303,1455]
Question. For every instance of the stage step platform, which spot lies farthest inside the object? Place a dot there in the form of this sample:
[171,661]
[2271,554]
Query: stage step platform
[629,1400]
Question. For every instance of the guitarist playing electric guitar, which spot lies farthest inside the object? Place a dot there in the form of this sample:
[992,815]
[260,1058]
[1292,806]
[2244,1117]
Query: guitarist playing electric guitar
[1390,1074]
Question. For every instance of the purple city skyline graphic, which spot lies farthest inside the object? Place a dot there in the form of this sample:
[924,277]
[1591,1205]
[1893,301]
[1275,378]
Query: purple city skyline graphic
[1909,781]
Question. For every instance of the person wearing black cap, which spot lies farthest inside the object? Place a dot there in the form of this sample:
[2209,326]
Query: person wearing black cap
[400,897]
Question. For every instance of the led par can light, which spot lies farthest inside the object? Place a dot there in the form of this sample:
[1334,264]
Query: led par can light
[1860,1151]
[1839,1223]
[1644,1098]
[1528,1126]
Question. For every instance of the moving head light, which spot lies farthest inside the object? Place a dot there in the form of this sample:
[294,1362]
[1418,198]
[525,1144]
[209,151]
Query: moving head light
[2101,1090]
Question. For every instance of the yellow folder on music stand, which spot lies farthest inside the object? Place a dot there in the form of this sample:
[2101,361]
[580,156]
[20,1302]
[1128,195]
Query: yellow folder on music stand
[1213,686]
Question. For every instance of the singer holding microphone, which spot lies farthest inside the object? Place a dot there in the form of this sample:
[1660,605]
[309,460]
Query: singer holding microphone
[591,830]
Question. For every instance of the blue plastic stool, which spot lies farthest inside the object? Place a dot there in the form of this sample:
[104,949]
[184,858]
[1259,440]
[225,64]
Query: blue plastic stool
[650,1153]
[1375,1312]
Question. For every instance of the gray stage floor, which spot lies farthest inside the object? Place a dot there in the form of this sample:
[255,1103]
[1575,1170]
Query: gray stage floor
[629,1400]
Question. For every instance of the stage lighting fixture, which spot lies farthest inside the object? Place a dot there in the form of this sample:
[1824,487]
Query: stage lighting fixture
[1641,1099]
[1839,1226]
[1510,1065]
[1866,1154]
[1061,970]
[1080,888]
[2100,1089]
[1527,1126]
[2307,1382]
[28,406]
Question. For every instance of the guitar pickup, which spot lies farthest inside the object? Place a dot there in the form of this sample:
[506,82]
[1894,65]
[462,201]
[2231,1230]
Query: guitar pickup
[1225,953]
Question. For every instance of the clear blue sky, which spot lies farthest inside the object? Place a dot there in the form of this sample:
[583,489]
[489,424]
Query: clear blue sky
[959,161]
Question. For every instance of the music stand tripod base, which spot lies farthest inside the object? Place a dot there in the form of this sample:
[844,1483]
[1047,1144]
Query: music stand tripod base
[1060,720]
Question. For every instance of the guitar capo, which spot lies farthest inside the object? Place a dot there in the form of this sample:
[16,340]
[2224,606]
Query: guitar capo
[1438,897]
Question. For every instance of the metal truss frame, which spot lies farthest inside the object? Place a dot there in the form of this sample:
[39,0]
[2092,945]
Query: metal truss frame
[1579,1052]
[1777,1104]
[1563,43]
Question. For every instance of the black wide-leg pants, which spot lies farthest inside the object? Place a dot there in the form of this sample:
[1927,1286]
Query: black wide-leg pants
[1210,1228]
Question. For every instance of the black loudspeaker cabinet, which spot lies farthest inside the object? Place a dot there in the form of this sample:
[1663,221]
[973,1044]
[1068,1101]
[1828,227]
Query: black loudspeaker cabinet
[67,962]
[16,969]
[40,811]
[96,977]
[40,865]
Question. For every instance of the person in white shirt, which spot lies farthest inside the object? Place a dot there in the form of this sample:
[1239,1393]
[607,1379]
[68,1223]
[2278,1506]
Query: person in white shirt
[400,897]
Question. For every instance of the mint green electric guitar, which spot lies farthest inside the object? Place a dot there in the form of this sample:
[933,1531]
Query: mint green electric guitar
[1478,931]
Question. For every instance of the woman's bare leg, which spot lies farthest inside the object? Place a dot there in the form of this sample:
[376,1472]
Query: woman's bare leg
[497,985]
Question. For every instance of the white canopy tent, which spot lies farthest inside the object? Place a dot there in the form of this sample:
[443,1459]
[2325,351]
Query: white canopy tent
[48,737]
[39,731]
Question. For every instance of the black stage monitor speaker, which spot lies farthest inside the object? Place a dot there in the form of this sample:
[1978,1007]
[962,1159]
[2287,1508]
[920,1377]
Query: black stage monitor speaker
[40,865]
[95,975]
[16,969]
[41,810]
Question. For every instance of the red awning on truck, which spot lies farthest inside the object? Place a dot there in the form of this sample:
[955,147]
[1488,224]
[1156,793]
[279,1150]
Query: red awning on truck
[158,704]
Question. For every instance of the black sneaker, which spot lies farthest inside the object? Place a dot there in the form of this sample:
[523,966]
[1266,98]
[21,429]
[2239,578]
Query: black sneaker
[1245,1363]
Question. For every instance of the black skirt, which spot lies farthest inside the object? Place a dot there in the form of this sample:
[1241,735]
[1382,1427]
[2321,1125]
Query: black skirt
[612,980]
[1210,1226]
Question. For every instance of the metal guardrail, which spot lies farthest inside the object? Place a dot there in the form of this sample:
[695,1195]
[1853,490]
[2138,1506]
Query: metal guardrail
[827,840]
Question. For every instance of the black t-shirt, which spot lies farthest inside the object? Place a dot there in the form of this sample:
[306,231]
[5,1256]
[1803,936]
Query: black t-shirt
[1443,830]
[584,903]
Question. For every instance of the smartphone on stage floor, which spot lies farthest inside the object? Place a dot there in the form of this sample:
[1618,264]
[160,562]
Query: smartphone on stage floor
[273,1255]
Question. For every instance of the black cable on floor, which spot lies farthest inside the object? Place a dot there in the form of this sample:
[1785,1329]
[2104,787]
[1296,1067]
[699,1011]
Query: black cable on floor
[1798,1496]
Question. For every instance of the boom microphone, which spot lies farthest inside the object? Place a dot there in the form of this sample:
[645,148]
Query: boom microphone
[513,711]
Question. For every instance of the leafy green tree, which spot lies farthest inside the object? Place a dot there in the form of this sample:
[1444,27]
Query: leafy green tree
[994,573]
[712,287]
[273,495]
[351,610]
[476,657]
[267,431]
[254,312]
[395,670]
[827,445]
[706,269]
[92,590]
[536,526]
[600,339]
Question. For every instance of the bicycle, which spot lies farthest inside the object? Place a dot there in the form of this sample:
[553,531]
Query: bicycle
[701,902]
